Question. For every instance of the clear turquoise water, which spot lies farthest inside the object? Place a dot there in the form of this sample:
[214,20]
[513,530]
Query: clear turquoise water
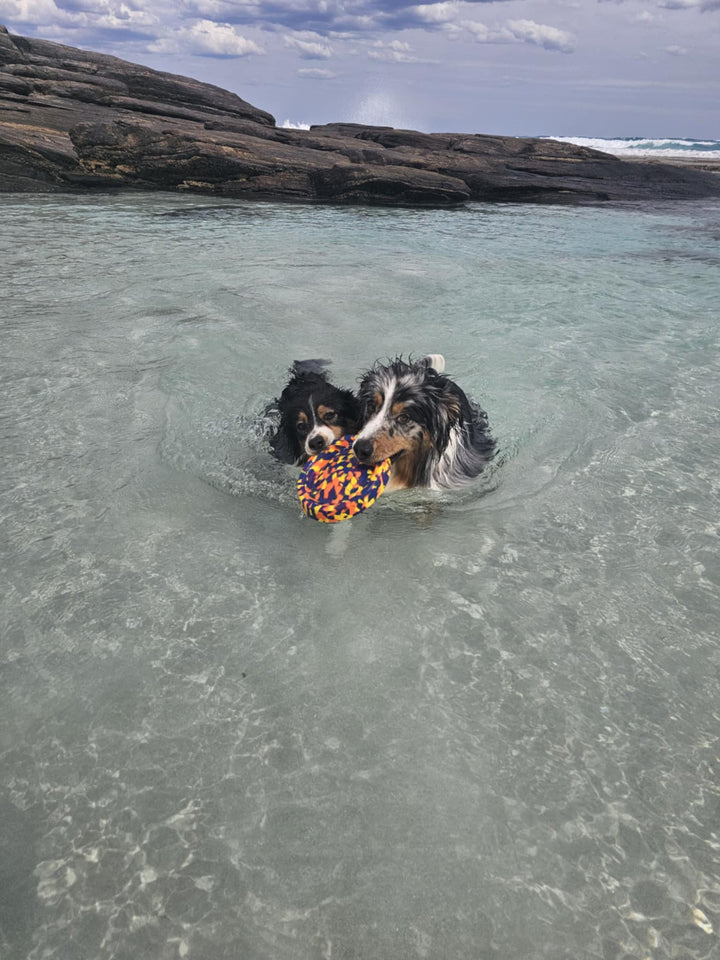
[480,726]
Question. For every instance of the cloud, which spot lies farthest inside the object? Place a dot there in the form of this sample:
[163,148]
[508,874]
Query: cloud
[30,11]
[393,52]
[643,17]
[676,51]
[318,15]
[479,31]
[309,49]
[550,38]
[334,17]
[449,16]
[436,13]
[316,73]
[214,28]
[205,38]
[98,15]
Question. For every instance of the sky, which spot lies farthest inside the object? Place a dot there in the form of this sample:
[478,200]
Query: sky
[583,68]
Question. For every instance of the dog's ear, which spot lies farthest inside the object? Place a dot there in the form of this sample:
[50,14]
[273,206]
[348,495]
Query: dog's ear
[442,411]
[282,447]
[450,408]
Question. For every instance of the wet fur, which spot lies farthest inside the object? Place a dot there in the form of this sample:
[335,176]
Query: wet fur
[435,435]
[313,413]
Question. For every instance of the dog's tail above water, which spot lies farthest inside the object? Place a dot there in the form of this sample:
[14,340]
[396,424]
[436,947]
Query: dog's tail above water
[301,368]
[434,360]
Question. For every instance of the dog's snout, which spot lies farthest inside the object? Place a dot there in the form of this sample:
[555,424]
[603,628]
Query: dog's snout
[316,443]
[363,449]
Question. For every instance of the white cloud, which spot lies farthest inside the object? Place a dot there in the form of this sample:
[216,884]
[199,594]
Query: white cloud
[316,73]
[676,51]
[29,11]
[478,30]
[207,39]
[393,52]
[122,17]
[550,38]
[309,49]
[436,13]
[101,15]
[515,31]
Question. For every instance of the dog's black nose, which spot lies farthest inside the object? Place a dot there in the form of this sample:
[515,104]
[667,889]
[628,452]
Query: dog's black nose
[316,443]
[363,449]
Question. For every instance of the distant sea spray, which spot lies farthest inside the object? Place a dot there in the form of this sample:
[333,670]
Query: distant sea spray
[647,147]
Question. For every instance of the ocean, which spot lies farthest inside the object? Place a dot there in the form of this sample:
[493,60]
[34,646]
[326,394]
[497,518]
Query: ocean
[648,148]
[479,725]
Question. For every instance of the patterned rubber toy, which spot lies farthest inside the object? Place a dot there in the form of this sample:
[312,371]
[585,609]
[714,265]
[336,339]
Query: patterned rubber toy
[335,486]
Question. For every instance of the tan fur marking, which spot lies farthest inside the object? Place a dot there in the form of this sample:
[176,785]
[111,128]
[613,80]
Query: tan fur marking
[403,476]
[397,408]
[385,446]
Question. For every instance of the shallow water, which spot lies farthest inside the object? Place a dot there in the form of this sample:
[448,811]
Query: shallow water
[478,726]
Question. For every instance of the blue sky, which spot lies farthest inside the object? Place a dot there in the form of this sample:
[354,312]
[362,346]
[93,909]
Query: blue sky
[590,68]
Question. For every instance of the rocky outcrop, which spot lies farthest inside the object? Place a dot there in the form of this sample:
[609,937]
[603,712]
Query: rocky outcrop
[76,120]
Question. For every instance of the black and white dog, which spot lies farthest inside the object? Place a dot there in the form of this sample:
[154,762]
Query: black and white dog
[411,413]
[313,413]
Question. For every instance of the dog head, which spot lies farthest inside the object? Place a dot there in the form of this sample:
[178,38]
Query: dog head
[313,414]
[407,412]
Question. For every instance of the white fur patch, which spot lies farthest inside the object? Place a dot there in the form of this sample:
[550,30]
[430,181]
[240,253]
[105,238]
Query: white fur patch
[319,430]
[378,419]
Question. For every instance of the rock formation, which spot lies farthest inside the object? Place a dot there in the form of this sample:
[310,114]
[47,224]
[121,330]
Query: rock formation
[75,120]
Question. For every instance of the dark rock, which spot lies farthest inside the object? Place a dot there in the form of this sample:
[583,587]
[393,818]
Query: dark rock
[76,120]
[388,185]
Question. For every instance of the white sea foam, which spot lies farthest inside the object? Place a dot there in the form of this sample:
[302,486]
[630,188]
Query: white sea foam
[638,147]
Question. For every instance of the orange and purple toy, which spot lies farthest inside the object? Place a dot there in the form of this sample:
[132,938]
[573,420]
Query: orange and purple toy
[335,486]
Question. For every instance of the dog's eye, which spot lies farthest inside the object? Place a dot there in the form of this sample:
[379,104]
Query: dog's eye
[302,428]
[404,419]
[330,417]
